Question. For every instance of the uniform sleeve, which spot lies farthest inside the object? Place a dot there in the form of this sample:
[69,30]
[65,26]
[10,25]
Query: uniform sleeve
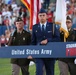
[75,35]
[33,39]
[29,39]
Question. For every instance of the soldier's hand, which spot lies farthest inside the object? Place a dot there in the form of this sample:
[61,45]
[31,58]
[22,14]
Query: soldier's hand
[44,42]
[74,28]
[29,57]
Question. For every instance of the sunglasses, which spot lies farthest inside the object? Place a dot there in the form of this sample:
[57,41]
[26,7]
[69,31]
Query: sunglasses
[68,22]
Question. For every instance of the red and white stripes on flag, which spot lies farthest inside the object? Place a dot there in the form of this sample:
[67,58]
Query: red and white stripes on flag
[33,7]
[26,3]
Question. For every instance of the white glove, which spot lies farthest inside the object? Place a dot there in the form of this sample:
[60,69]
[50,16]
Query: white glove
[6,45]
[75,61]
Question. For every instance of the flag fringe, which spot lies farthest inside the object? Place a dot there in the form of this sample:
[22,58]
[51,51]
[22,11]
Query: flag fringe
[28,7]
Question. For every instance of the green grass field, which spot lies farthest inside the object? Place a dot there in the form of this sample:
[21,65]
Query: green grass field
[5,68]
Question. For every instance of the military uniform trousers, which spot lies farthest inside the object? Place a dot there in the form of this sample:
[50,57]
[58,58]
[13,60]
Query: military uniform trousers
[16,69]
[48,63]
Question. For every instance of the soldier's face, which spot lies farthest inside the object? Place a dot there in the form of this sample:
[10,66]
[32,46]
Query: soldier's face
[69,24]
[42,17]
[19,25]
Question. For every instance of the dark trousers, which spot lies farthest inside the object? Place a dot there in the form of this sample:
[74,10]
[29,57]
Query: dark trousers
[72,68]
[49,66]
[25,70]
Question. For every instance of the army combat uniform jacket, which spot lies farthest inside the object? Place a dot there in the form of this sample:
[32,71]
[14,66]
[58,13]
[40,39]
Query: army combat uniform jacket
[19,39]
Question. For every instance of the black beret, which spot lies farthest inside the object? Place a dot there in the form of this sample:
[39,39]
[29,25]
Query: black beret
[18,19]
[68,18]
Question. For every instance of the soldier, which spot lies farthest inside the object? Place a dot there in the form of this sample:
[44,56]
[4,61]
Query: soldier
[67,64]
[20,37]
[42,34]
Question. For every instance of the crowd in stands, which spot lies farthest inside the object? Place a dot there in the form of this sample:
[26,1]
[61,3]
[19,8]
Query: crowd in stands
[71,10]
[9,12]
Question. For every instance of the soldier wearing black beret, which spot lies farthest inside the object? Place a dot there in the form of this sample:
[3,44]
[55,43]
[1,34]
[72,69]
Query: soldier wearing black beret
[20,37]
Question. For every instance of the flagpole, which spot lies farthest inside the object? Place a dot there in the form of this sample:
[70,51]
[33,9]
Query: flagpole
[64,39]
[60,18]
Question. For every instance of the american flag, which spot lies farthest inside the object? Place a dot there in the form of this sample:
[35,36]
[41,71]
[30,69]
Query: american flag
[33,7]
